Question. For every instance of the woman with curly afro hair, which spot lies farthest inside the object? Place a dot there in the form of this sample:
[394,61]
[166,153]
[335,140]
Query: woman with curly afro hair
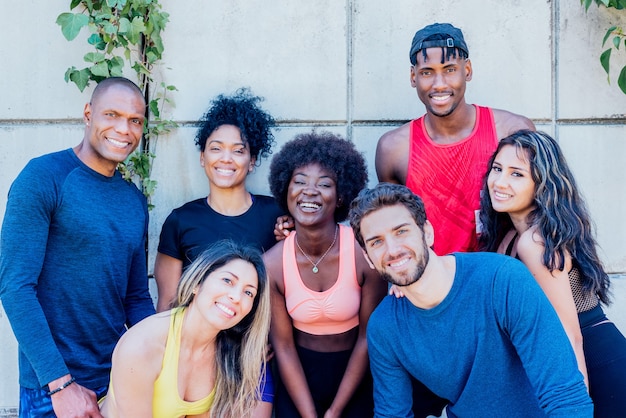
[235,133]
[322,288]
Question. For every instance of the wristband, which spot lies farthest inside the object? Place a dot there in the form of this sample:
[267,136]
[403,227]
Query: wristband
[63,386]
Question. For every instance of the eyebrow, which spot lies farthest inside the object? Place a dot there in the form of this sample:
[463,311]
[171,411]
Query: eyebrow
[237,278]
[513,167]
[243,144]
[306,175]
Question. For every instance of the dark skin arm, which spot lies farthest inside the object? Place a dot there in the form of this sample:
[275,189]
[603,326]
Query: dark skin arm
[373,290]
[507,123]
[392,155]
[281,337]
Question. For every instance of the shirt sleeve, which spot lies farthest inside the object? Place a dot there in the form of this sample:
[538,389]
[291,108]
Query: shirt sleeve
[527,316]
[169,239]
[31,203]
[138,303]
[393,391]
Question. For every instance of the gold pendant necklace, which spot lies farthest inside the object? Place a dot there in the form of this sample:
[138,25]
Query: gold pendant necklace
[315,269]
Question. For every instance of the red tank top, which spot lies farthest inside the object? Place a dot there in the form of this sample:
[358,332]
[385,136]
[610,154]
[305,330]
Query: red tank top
[449,178]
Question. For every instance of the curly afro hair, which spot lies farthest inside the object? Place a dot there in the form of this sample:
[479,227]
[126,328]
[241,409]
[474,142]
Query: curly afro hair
[240,110]
[330,151]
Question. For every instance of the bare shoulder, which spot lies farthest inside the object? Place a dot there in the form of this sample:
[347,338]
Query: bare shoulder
[530,240]
[273,259]
[144,341]
[531,247]
[508,122]
[392,155]
[394,138]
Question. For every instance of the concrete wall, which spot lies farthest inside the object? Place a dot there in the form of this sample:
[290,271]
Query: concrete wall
[337,65]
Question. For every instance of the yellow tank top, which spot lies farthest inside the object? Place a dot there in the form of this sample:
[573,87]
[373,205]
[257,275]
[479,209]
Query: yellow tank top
[166,402]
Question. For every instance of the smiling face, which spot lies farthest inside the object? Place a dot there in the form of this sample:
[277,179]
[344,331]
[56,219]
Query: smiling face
[113,128]
[312,195]
[226,158]
[441,87]
[227,295]
[396,245]
[510,183]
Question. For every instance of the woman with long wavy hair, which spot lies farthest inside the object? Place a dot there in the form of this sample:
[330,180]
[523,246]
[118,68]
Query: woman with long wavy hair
[531,209]
[204,357]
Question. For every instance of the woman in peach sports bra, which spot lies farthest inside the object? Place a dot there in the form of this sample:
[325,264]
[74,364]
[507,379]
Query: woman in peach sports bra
[204,357]
[322,288]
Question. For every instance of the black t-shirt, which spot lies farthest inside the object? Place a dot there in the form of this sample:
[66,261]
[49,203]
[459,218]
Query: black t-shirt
[191,228]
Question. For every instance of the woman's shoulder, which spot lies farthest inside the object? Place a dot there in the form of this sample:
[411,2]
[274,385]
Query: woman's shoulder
[530,242]
[147,338]
[274,256]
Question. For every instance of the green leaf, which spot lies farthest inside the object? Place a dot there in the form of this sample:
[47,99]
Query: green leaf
[100,69]
[96,41]
[149,186]
[74,3]
[93,57]
[621,80]
[68,72]
[71,24]
[116,65]
[152,57]
[605,59]
[123,41]
[81,78]
[125,26]
[109,28]
[607,34]
[137,27]
[616,42]
[154,108]
[605,2]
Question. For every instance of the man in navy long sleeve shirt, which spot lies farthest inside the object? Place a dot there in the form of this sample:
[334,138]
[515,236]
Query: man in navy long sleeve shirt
[72,267]
[476,329]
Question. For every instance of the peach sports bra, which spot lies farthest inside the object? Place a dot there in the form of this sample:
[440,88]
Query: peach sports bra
[332,311]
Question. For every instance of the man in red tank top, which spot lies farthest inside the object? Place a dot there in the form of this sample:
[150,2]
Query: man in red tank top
[442,156]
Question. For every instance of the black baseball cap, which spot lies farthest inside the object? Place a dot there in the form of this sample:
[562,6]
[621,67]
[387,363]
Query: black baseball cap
[453,39]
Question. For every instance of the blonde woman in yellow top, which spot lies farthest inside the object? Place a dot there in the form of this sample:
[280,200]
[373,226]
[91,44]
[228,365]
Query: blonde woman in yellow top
[204,357]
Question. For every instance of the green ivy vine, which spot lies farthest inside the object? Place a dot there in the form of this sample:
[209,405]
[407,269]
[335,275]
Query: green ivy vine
[615,36]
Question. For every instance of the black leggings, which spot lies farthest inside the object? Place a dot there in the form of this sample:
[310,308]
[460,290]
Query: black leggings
[323,372]
[605,356]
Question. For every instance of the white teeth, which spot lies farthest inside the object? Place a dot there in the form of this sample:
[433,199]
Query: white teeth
[399,263]
[117,144]
[225,309]
[502,195]
[440,98]
[224,171]
[310,205]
